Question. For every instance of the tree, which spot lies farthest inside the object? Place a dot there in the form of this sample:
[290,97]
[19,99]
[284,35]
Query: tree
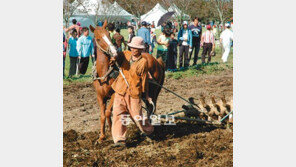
[95,9]
[69,7]
[223,9]
[183,5]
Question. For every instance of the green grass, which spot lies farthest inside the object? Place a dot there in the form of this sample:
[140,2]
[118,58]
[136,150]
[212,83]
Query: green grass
[216,66]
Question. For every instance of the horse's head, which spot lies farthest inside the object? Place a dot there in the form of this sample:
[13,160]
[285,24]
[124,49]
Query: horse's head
[103,40]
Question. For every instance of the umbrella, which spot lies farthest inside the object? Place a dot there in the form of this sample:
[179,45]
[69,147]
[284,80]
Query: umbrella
[165,18]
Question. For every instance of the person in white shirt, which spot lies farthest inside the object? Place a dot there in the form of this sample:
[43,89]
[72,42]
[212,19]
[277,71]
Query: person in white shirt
[225,38]
[208,44]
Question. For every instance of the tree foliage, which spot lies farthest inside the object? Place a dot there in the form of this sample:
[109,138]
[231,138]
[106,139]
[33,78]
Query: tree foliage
[205,10]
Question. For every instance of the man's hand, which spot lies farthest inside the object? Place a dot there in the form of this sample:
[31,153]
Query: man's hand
[149,99]
[93,55]
[150,48]
[79,57]
[112,61]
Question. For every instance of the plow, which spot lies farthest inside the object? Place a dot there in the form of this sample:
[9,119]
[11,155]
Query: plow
[215,113]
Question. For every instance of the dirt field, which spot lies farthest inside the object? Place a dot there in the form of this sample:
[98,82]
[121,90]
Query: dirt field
[185,144]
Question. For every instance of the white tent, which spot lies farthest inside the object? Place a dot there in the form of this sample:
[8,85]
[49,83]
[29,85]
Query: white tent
[91,11]
[178,12]
[103,9]
[154,14]
[119,11]
[93,7]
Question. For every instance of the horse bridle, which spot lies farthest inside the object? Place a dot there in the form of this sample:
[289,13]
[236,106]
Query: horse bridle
[107,52]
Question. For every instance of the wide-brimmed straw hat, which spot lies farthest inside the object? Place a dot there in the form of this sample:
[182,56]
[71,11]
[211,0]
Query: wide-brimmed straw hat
[137,42]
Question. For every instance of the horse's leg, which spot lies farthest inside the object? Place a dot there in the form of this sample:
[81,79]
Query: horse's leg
[103,118]
[109,111]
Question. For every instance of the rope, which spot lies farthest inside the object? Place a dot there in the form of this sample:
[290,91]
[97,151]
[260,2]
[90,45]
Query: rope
[100,78]
[179,96]
[173,93]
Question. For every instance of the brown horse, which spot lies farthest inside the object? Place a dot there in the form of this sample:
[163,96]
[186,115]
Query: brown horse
[105,49]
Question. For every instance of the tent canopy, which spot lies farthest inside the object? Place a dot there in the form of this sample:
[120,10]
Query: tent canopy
[178,12]
[90,11]
[102,8]
[119,11]
[154,14]
[92,7]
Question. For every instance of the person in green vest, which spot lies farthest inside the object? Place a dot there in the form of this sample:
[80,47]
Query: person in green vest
[163,43]
[111,28]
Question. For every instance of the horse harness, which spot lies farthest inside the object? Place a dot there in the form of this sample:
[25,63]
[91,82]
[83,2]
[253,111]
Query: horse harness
[110,69]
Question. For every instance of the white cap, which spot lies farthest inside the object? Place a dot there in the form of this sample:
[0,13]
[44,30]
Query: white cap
[227,25]
[185,22]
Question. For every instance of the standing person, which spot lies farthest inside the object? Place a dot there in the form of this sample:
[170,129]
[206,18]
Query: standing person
[131,35]
[119,40]
[152,24]
[80,29]
[196,37]
[100,24]
[85,48]
[226,38]
[163,43]
[111,28]
[129,23]
[74,26]
[95,49]
[208,44]
[145,34]
[185,42]
[176,24]
[64,53]
[215,32]
[153,40]
[172,53]
[73,54]
[127,98]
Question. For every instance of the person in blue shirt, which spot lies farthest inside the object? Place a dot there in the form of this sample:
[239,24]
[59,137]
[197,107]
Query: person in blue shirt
[73,54]
[100,24]
[196,37]
[85,48]
[185,43]
[145,34]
